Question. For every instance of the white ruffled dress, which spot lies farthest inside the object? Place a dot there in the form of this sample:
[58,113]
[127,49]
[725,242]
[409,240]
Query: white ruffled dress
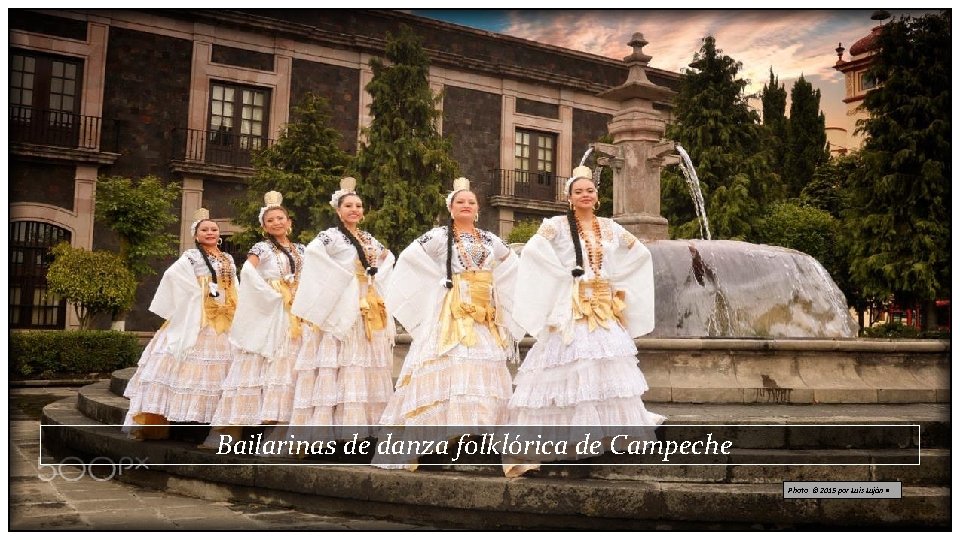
[573,376]
[343,376]
[259,387]
[464,387]
[181,370]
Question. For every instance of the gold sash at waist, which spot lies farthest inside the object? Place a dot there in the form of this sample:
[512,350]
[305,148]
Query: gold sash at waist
[458,317]
[594,301]
[287,291]
[372,309]
[216,314]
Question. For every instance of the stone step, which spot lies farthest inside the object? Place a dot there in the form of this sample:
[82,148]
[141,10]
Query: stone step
[798,371]
[491,501]
[96,402]
[726,421]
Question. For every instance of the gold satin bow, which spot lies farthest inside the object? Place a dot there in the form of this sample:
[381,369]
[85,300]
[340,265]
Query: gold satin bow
[372,309]
[215,314]
[599,307]
[286,290]
[458,317]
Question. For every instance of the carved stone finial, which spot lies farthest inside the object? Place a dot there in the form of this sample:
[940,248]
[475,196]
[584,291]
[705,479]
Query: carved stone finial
[638,42]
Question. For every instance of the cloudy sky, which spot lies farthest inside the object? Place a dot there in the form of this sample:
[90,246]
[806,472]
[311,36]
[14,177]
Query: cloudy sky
[792,42]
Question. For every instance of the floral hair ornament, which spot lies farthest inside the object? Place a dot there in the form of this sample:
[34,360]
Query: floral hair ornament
[581,172]
[348,186]
[271,199]
[460,184]
[200,214]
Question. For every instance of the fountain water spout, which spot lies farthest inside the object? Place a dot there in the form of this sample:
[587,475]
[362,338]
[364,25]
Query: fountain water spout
[693,183]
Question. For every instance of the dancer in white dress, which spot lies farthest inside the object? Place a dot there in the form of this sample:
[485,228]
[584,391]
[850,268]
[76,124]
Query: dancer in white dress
[449,290]
[345,375]
[259,387]
[582,370]
[180,372]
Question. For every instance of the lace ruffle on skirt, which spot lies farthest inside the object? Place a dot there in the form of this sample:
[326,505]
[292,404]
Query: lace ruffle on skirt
[257,390]
[185,390]
[343,383]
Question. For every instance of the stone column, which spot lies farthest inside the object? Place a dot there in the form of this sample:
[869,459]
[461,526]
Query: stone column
[638,151]
[191,199]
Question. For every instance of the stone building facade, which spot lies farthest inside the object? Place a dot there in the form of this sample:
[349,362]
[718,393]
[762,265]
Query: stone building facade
[187,94]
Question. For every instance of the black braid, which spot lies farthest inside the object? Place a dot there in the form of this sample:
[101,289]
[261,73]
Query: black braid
[213,273]
[371,270]
[575,236]
[449,283]
[293,263]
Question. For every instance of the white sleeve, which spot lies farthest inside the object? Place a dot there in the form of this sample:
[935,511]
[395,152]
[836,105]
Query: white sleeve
[178,301]
[260,323]
[328,295]
[542,295]
[631,271]
[415,289]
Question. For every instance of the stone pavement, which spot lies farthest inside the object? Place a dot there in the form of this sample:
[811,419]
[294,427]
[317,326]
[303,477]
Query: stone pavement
[73,500]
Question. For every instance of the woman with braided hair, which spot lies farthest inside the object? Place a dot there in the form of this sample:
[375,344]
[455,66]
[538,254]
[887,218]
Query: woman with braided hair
[180,372]
[344,376]
[584,290]
[266,336]
[450,291]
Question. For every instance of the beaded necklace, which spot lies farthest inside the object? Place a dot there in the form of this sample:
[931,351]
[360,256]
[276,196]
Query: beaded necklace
[478,253]
[594,245]
[293,276]
[224,270]
[366,242]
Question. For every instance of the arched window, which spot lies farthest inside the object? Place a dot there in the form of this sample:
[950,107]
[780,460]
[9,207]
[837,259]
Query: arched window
[30,304]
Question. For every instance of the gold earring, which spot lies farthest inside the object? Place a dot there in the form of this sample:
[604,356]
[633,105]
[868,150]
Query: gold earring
[596,206]
[289,231]
[476,218]
[571,204]
[219,241]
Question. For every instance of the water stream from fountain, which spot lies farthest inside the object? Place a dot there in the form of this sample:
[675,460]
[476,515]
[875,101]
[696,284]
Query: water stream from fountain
[690,173]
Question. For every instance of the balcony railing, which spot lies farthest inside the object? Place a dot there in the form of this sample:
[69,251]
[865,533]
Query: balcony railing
[538,186]
[219,147]
[60,128]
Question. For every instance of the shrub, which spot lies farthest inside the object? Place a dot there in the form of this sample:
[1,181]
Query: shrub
[522,232]
[802,228]
[891,330]
[94,281]
[83,351]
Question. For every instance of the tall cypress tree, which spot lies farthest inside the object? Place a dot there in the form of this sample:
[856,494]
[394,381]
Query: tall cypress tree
[774,98]
[722,135]
[305,165]
[806,142]
[899,217]
[405,163]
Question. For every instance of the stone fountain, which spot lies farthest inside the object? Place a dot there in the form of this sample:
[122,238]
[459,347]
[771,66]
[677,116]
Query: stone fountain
[707,288]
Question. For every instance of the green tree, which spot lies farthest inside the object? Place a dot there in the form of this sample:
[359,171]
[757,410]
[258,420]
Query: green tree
[899,216]
[139,211]
[806,142]
[405,163]
[94,281]
[523,231]
[774,98]
[305,165]
[826,189]
[827,192]
[803,228]
[722,135]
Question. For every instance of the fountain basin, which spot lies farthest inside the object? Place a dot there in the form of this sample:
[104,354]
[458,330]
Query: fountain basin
[726,288]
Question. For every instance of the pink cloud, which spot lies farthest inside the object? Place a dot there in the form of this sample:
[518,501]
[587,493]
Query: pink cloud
[793,42]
